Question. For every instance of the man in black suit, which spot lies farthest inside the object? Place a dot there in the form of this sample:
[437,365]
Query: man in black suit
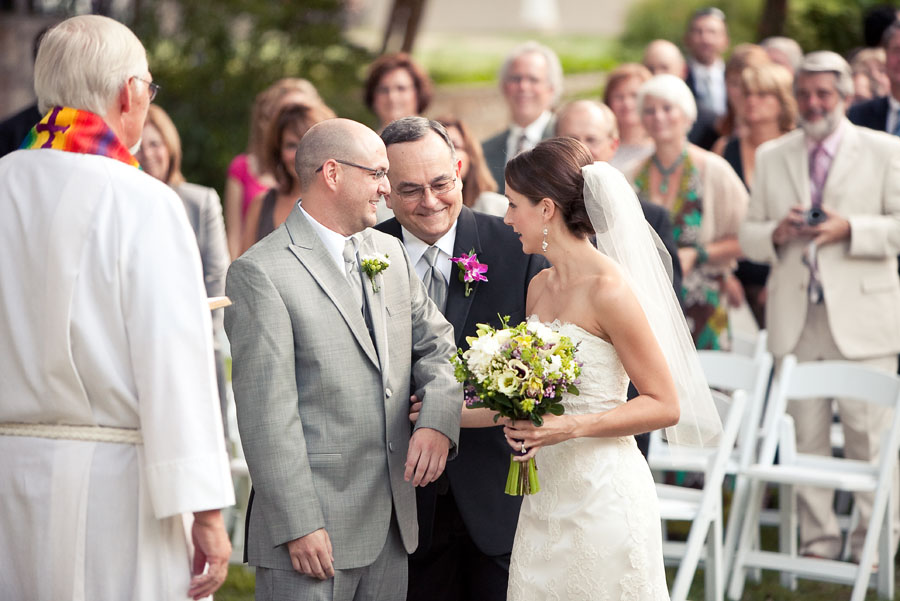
[883,113]
[706,40]
[531,79]
[466,522]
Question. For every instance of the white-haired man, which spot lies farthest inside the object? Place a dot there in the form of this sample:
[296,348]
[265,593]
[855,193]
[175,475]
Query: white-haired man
[825,213]
[531,79]
[110,428]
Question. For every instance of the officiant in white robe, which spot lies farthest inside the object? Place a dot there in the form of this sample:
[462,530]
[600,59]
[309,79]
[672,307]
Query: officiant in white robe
[110,428]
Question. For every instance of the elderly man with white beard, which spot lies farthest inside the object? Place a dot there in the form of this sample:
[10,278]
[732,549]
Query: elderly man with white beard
[825,213]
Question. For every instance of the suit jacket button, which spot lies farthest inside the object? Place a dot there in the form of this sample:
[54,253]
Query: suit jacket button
[391,447]
[388,392]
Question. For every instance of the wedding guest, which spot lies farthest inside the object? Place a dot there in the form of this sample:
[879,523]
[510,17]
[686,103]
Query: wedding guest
[110,429]
[870,80]
[479,189]
[743,56]
[883,113]
[784,51]
[247,177]
[466,522]
[706,41]
[594,125]
[662,56]
[833,287]
[769,111]
[160,156]
[620,96]
[270,208]
[705,198]
[531,79]
[396,86]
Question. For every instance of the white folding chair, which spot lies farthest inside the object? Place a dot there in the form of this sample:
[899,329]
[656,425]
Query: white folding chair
[703,508]
[749,346]
[726,371]
[815,380]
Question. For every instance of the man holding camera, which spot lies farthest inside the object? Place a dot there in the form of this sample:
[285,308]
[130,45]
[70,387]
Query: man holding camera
[825,213]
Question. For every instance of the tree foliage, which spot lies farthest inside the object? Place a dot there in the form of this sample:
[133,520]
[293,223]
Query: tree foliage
[213,56]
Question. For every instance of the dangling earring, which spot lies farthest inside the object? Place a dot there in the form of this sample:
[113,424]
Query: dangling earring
[544,242]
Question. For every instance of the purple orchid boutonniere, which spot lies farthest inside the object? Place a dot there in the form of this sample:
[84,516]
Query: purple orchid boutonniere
[470,270]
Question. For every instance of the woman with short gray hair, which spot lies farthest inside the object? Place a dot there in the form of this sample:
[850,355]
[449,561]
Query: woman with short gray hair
[706,201]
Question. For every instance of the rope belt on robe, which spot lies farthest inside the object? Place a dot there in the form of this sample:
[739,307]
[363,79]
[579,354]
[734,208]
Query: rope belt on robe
[67,432]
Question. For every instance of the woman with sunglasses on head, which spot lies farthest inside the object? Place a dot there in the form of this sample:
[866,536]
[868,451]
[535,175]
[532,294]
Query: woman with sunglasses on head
[271,208]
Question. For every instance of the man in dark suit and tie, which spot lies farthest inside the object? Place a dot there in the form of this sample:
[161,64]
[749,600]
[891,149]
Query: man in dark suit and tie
[531,79]
[883,113]
[466,522]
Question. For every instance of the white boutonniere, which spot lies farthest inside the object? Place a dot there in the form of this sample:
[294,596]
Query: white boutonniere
[374,264]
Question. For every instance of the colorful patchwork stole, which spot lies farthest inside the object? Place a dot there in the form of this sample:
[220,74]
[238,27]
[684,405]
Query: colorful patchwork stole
[74,130]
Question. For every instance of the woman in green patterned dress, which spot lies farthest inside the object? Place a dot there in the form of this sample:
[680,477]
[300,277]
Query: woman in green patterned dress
[706,201]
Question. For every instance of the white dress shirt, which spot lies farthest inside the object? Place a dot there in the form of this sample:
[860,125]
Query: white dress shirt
[893,114]
[333,241]
[709,82]
[534,133]
[416,248]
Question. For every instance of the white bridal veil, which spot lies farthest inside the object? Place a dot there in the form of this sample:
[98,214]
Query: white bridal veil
[624,235]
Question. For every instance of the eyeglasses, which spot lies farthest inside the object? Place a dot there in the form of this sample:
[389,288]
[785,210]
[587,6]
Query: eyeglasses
[417,193]
[153,87]
[377,174]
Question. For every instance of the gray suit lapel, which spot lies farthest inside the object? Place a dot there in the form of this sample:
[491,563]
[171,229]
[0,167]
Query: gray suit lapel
[375,302]
[310,251]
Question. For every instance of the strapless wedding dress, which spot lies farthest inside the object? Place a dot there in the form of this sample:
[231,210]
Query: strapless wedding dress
[593,531]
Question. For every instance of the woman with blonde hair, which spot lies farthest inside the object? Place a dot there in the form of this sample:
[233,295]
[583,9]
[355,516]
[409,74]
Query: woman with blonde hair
[620,96]
[768,111]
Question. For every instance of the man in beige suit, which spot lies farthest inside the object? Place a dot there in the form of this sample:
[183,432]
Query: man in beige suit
[825,213]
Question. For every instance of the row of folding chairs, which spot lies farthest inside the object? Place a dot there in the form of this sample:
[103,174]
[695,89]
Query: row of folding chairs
[757,450]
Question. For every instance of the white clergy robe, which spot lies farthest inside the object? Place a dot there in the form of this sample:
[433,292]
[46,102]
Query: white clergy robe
[103,321]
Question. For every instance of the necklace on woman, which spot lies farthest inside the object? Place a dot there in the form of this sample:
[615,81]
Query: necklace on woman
[665,172]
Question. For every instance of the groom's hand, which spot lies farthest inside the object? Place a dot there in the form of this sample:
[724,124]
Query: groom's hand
[427,456]
[312,554]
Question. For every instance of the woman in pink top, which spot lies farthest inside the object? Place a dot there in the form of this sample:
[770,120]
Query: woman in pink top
[247,176]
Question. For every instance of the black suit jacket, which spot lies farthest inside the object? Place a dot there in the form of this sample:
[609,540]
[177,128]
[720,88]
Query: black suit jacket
[871,113]
[494,149]
[478,474]
[659,219]
[14,129]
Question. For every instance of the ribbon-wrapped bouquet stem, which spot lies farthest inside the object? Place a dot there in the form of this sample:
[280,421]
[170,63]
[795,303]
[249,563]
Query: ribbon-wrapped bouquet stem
[520,372]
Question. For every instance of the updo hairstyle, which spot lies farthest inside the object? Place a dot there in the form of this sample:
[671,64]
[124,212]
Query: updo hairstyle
[552,169]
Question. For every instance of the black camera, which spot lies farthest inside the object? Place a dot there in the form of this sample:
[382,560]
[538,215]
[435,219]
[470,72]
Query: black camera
[814,216]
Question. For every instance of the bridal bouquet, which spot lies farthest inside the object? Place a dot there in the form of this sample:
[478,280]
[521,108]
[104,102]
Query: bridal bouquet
[521,373]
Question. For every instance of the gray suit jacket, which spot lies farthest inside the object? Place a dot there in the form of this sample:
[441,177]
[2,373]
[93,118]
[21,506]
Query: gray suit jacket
[495,153]
[322,408]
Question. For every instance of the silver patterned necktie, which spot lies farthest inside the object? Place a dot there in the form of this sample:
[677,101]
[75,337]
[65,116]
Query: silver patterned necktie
[351,270]
[435,284]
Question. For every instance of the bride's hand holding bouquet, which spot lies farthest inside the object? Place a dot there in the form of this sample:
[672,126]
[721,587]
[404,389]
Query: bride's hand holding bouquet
[520,373]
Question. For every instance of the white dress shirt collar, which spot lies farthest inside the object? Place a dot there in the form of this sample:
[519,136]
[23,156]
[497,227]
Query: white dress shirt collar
[534,133]
[333,241]
[416,248]
[893,116]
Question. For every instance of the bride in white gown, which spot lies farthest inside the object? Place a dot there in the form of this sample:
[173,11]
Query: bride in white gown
[593,531]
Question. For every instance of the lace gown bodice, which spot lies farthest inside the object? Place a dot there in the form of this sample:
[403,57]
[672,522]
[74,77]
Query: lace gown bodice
[593,531]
